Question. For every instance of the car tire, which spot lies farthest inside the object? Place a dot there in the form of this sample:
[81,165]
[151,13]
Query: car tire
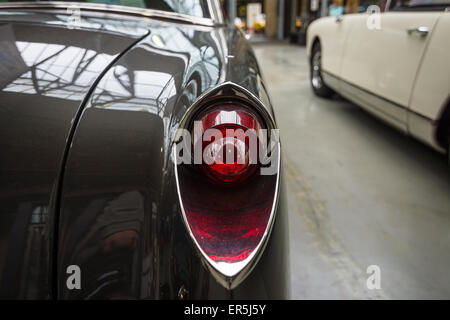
[317,84]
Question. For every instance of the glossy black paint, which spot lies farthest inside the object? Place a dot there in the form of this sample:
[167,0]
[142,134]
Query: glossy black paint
[112,191]
[46,73]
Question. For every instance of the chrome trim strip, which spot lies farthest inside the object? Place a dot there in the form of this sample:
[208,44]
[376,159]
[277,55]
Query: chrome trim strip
[230,275]
[387,6]
[392,103]
[414,124]
[382,108]
[108,8]
[215,11]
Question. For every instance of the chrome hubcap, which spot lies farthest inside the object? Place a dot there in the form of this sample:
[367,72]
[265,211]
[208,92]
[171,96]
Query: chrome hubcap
[316,78]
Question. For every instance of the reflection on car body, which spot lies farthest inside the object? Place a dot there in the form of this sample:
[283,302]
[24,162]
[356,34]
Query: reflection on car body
[89,114]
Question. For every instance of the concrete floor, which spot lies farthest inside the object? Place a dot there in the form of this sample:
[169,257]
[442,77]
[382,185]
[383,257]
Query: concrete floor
[360,194]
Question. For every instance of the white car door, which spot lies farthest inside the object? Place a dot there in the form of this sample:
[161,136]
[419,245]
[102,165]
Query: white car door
[383,58]
[334,34]
[432,88]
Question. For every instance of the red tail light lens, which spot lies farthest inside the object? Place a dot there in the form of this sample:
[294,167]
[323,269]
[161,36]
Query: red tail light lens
[229,147]
[227,204]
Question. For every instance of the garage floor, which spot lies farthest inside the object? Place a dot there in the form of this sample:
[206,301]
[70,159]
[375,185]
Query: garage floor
[360,194]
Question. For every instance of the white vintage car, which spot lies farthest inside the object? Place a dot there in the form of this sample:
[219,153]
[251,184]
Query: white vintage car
[395,64]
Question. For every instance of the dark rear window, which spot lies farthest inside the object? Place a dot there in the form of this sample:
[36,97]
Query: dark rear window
[418,5]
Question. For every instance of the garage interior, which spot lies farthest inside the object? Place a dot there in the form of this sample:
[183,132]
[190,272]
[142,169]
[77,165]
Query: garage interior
[360,192]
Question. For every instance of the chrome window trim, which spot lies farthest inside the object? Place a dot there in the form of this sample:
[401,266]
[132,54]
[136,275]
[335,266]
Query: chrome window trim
[215,13]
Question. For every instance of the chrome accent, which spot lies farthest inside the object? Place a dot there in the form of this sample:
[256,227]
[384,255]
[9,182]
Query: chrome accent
[387,6]
[215,11]
[381,108]
[239,93]
[182,293]
[397,116]
[149,13]
[316,77]
[332,82]
[422,31]
[230,275]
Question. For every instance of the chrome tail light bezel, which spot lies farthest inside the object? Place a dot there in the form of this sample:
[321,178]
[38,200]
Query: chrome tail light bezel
[230,275]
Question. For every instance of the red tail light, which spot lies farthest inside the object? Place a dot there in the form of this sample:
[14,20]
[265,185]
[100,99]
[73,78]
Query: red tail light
[233,160]
[227,204]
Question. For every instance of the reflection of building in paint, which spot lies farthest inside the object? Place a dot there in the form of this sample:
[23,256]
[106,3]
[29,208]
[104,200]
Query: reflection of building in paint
[34,252]
[46,75]
[21,272]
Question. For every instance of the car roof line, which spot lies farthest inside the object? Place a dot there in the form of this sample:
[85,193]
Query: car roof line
[108,8]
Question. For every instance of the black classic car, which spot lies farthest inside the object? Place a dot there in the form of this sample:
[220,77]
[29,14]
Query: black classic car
[103,108]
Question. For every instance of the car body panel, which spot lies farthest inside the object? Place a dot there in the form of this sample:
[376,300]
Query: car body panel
[334,51]
[111,190]
[431,89]
[387,73]
[146,253]
[46,74]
